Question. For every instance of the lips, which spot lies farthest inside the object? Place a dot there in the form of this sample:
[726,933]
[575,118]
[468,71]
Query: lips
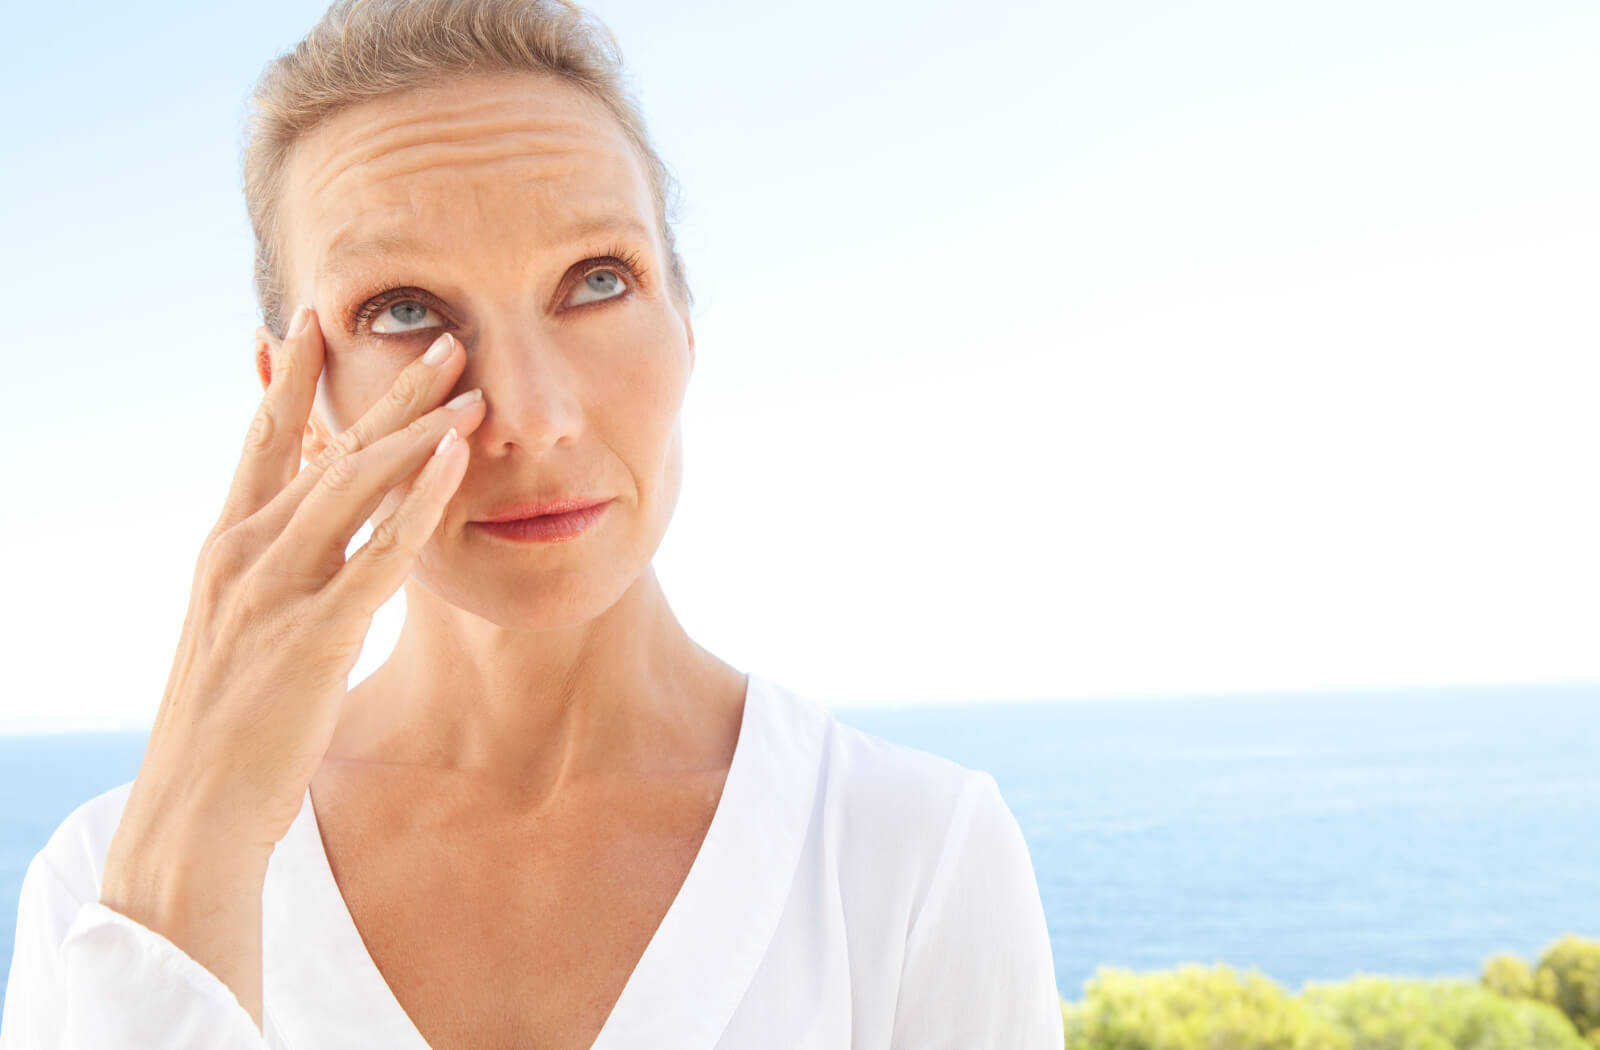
[543,508]
[547,528]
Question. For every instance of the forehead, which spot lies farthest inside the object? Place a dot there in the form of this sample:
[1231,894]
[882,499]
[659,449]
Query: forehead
[483,160]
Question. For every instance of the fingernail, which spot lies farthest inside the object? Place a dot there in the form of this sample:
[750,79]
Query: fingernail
[438,351]
[298,322]
[463,400]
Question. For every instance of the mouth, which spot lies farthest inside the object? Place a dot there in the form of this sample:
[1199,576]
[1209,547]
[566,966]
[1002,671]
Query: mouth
[526,510]
[547,527]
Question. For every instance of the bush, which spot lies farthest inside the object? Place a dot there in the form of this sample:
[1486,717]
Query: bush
[1196,1008]
[1568,977]
[1508,975]
[1411,1014]
[1193,1009]
[1553,1006]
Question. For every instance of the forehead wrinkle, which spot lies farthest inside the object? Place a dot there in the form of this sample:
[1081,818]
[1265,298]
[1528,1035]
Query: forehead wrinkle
[432,159]
[353,143]
[410,158]
[394,173]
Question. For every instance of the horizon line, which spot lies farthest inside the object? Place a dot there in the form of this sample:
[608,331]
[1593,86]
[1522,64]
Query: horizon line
[25,729]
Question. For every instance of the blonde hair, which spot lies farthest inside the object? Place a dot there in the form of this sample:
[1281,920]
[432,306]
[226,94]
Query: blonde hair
[365,49]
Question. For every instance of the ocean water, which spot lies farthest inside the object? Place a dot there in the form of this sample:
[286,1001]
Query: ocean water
[1307,836]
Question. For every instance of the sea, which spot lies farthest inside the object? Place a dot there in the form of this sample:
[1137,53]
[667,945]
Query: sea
[1308,836]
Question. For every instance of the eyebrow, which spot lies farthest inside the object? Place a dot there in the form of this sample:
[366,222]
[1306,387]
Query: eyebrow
[347,253]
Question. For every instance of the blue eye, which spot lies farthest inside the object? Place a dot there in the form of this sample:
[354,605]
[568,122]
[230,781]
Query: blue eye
[402,311]
[603,281]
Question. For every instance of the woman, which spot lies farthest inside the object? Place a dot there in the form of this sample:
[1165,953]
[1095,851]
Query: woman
[550,819]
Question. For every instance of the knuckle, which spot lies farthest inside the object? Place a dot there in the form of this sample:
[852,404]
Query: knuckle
[418,429]
[209,590]
[386,539]
[342,474]
[227,518]
[263,430]
[345,444]
[222,553]
[326,457]
[406,390]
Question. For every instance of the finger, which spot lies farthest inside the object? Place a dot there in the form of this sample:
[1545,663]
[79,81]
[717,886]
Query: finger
[375,572]
[311,547]
[419,388]
[271,455]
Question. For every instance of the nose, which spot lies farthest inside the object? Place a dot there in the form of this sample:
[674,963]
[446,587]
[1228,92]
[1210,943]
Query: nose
[532,392]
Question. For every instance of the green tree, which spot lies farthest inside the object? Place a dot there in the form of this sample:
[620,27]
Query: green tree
[1380,1013]
[1508,975]
[1568,977]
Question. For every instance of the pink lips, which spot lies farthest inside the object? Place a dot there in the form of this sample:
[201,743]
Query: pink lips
[546,528]
[534,509]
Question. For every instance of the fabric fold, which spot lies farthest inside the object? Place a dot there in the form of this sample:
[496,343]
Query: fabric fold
[130,987]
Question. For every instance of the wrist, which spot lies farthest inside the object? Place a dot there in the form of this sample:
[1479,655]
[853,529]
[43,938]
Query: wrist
[174,865]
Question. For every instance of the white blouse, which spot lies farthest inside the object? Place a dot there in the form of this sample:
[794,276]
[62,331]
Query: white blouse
[850,892]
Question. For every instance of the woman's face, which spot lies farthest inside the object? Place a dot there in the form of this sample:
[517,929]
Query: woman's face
[512,212]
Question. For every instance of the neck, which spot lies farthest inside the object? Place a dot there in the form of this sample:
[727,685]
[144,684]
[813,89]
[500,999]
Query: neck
[536,712]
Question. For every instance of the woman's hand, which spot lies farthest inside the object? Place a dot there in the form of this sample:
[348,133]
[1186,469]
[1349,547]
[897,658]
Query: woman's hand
[276,620]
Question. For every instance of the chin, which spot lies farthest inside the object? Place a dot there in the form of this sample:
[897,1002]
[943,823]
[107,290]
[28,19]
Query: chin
[529,597]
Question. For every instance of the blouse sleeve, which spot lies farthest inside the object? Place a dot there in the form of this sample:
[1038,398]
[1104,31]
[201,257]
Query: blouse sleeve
[978,972]
[84,975]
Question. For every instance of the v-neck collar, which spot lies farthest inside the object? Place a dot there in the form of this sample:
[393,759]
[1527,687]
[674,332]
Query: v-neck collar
[324,992]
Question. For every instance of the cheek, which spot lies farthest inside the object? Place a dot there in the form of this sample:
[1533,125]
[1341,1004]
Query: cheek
[661,376]
[640,379]
[653,403]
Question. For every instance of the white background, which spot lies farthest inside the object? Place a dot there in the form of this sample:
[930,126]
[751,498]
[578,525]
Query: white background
[1043,350]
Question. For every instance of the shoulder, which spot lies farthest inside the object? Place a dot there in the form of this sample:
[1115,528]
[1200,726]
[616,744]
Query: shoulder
[900,814]
[930,871]
[860,778]
[75,854]
[884,782]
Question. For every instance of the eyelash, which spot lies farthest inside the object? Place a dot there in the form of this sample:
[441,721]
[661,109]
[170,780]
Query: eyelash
[620,258]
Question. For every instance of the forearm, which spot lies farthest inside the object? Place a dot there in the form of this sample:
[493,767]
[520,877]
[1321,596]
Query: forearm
[199,894]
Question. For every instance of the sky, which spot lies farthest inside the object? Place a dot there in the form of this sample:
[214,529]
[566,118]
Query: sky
[1044,350]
